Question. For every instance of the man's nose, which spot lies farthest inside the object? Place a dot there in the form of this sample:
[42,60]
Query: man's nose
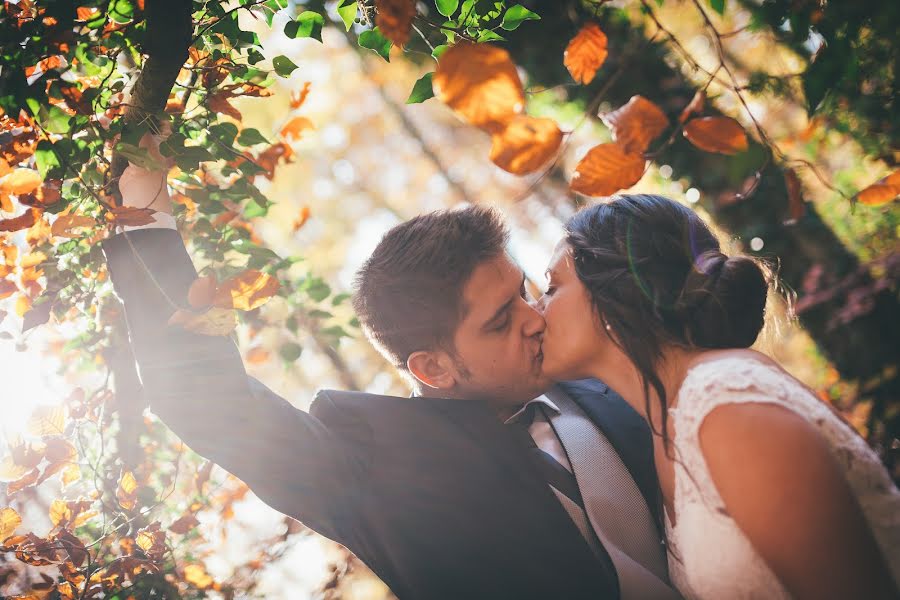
[534,322]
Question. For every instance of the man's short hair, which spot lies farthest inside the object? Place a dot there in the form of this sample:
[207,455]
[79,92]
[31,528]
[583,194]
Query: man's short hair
[408,295]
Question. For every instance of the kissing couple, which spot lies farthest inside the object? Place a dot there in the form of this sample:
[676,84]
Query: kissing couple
[615,438]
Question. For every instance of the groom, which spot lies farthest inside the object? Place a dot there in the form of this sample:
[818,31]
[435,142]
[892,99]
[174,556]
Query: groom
[487,483]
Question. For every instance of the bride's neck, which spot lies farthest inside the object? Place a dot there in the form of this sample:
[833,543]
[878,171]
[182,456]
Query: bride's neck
[627,381]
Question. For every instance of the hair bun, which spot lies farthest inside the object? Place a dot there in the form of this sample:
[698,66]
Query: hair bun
[722,303]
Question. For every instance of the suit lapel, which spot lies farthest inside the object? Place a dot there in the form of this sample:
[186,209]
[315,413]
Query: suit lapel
[626,431]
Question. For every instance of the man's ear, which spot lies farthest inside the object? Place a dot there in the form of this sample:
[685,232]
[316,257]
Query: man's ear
[432,369]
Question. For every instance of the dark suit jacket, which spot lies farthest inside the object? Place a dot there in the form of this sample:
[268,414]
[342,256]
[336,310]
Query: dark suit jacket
[436,496]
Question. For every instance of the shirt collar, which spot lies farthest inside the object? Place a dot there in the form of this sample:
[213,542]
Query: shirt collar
[542,399]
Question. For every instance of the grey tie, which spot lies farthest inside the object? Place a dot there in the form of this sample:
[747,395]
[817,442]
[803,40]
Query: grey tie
[614,505]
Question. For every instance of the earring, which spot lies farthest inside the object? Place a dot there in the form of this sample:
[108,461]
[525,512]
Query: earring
[608,328]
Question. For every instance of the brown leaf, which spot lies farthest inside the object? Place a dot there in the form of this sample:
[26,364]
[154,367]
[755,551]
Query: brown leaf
[23,221]
[606,169]
[716,134]
[480,83]
[131,216]
[394,19]
[202,292]
[694,107]
[21,181]
[796,204]
[586,53]
[202,475]
[246,291]
[7,289]
[215,321]
[526,144]
[294,128]
[24,482]
[9,522]
[882,191]
[66,225]
[636,124]
[184,524]
[219,103]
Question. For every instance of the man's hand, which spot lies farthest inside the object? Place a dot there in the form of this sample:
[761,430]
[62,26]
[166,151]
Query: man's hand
[147,189]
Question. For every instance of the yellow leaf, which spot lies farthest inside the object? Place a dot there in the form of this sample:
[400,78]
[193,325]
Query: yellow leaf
[586,53]
[11,471]
[144,540]
[196,575]
[59,512]
[66,225]
[526,144]
[126,493]
[70,474]
[9,522]
[716,134]
[606,169]
[246,291]
[21,181]
[636,124]
[47,420]
[480,83]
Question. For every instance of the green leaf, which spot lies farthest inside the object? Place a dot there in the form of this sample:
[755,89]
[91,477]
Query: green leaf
[57,120]
[283,65]
[718,6]
[320,314]
[308,24]
[438,51]
[45,158]
[447,7]
[224,132]
[373,40]
[335,331]
[317,289]
[290,351]
[251,137]
[254,56]
[340,298]
[252,209]
[347,10]
[422,90]
[490,36]
[516,15]
[138,156]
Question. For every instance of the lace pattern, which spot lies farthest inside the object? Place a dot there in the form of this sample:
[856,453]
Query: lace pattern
[709,556]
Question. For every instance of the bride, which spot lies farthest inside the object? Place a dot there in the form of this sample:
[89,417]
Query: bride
[767,492]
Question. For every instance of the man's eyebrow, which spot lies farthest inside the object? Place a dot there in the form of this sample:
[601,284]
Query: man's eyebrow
[506,306]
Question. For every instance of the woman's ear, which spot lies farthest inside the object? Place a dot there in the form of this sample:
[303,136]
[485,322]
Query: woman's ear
[431,369]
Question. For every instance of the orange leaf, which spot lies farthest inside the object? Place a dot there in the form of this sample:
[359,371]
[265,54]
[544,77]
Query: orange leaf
[20,181]
[6,204]
[269,158]
[716,134]
[246,291]
[257,355]
[586,53]
[796,204]
[66,225]
[9,522]
[694,107]
[7,289]
[882,191]
[70,474]
[480,83]
[606,169]
[202,292]
[299,97]
[39,231]
[301,219]
[526,144]
[294,128]
[23,304]
[85,13]
[636,124]
[394,19]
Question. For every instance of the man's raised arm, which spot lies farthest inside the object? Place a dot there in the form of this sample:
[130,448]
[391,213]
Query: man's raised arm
[197,384]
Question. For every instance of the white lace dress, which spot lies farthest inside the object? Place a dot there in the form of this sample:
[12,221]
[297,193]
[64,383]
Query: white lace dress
[710,558]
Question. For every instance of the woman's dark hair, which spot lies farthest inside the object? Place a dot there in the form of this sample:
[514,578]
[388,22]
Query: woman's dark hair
[657,276]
